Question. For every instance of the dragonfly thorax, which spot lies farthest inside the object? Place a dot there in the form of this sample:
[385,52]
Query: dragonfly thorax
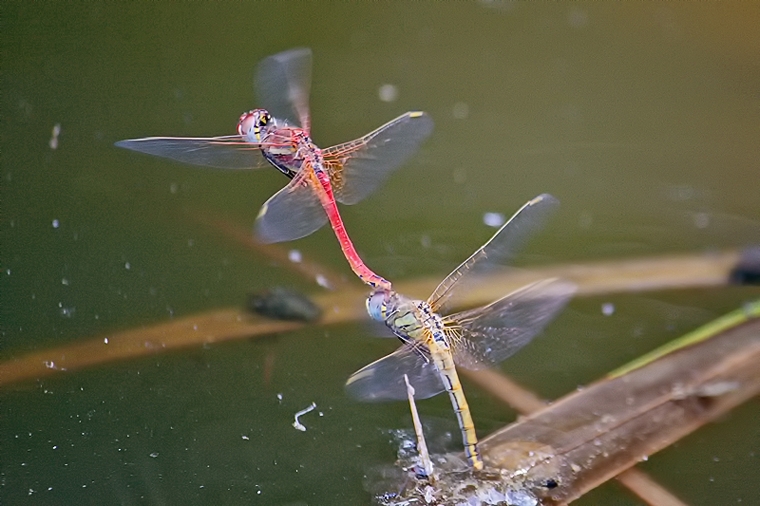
[410,319]
[255,124]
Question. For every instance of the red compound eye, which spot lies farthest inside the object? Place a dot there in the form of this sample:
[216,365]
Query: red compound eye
[246,122]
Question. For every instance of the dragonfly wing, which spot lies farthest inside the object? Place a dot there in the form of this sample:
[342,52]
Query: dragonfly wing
[282,83]
[229,152]
[291,213]
[358,167]
[487,335]
[497,251]
[383,379]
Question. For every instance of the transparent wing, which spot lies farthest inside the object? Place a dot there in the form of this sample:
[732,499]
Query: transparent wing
[497,251]
[358,167]
[383,379]
[291,213]
[229,152]
[487,335]
[282,82]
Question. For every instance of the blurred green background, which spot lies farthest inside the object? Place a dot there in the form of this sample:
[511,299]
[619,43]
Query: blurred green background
[643,119]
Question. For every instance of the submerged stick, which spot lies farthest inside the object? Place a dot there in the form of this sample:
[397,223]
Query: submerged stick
[656,273]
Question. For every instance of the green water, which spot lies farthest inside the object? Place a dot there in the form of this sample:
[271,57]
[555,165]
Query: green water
[642,119]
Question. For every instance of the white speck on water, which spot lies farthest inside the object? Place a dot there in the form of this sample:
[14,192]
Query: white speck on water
[50,364]
[460,175]
[173,188]
[295,256]
[425,241]
[608,309]
[322,281]
[65,281]
[460,110]
[127,265]
[245,438]
[279,397]
[8,272]
[56,223]
[105,339]
[701,220]
[68,312]
[31,491]
[153,455]
[388,93]
[585,219]
[54,139]
[494,219]
[577,18]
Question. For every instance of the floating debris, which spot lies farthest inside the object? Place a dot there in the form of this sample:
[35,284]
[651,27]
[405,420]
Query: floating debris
[284,304]
[297,424]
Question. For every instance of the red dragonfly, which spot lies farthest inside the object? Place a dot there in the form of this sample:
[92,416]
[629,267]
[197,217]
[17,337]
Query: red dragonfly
[280,135]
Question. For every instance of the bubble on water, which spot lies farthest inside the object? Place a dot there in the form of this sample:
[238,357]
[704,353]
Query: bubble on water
[153,455]
[56,223]
[50,364]
[608,308]
[64,281]
[388,93]
[127,265]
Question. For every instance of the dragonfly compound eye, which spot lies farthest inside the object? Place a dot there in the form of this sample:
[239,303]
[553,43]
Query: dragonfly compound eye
[246,123]
[376,304]
[252,123]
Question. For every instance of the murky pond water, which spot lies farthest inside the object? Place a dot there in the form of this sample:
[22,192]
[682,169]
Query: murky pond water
[641,119]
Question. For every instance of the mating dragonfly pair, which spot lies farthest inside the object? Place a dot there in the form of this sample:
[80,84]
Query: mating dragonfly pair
[279,135]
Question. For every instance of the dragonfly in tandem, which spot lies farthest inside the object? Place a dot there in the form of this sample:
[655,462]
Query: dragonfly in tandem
[279,134]
[434,341]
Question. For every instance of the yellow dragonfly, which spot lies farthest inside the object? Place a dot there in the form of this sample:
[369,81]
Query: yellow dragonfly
[473,339]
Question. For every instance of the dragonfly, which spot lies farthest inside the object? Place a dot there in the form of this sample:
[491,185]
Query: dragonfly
[279,135]
[435,342]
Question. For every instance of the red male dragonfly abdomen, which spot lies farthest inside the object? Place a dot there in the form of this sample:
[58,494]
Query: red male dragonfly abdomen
[280,135]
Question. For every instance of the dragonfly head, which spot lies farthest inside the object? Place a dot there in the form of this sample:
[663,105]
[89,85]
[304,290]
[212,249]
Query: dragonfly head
[253,124]
[377,304]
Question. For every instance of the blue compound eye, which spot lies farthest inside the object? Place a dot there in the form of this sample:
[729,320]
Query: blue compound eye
[376,304]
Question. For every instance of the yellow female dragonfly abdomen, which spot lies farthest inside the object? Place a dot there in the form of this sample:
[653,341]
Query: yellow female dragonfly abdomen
[474,338]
